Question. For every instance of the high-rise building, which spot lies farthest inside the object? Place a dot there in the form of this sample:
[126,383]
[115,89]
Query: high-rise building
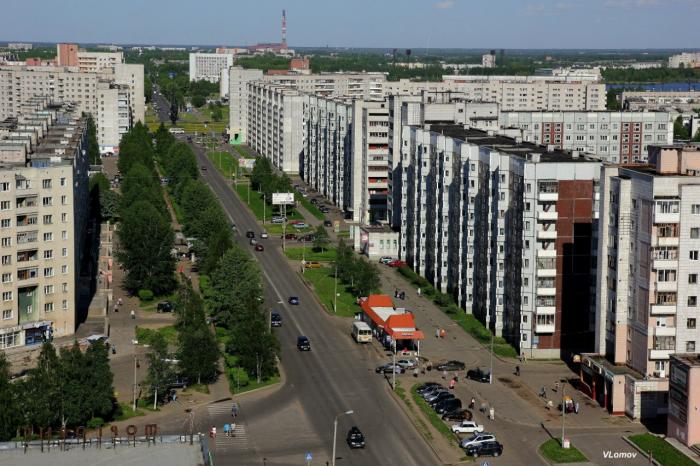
[208,66]
[685,60]
[647,279]
[67,54]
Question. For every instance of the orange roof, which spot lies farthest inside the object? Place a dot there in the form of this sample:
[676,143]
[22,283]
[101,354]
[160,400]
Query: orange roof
[401,321]
[379,300]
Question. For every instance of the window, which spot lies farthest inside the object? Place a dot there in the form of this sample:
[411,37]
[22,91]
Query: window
[690,323]
[7,260]
[692,301]
[666,276]
[48,220]
[64,304]
[47,201]
[7,295]
[64,234]
[7,242]
[695,233]
[63,181]
[64,252]
[690,346]
[64,200]
[695,209]
[64,217]
[692,278]
[4,187]
[64,287]
[48,289]
[5,223]
[693,255]
[64,269]
[9,340]
[48,236]
[7,277]
[7,314]
[48,307]
[5,205]
[48,254]
[48,271]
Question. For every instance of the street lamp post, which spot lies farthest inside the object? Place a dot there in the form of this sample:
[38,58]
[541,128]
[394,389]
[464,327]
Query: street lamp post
[563,415]
[335,432]
[393,369]
[264,207]
[491,363]
[335,290]
[136,363]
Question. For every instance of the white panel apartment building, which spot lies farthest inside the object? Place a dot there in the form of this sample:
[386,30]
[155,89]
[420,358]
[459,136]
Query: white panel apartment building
[114,113]
[96,62]
[43,215]
[275,116]
[507,228]
[208,66]
[616,137]
[238,101]
[648,287]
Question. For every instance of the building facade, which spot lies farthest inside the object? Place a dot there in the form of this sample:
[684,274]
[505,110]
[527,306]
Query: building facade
[208,66]
[685,60]
[114,113]
[238,101]
[647,288]
[659,101]
[505,227]
[96,62]
[683,398]
[615,137]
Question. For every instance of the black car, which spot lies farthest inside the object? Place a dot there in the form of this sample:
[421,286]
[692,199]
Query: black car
[492,448]
[355,438]
[314,201]
[165,306]
[293,300]
[327,223]
[440,398]
[426,387]
[479,375]
[451,366]
[448,405]
[303,343]
[324,209]
[250,234]
[179,382]
[458,415]
[275,319]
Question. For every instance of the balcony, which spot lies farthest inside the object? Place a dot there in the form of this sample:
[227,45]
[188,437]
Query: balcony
[667,241]
[547,235]
[550,216]
[545,310]
[663,264]
[663,309]
[544,328]
[673,217]
[546,291]
[664,331]
[546,253]
[546,272]
[547,197]
[666,286]
[656,354]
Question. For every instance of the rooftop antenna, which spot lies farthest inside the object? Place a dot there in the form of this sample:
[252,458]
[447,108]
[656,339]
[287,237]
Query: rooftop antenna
[284,28]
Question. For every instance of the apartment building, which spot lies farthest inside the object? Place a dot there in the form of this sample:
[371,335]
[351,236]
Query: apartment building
[684,389]
[616,137]
[19,46]
[96,62]
[685,60]
[208,66]
[647,282]
[507,228]
[67,54]
[276,124]
[366,86]
[21,84]
[659,101]
[114,113]
[43,214]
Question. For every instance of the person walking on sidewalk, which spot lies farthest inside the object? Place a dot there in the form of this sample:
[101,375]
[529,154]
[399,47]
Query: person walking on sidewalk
[133,314]
[437,333]
[543,393]
[517,371]
[418,291]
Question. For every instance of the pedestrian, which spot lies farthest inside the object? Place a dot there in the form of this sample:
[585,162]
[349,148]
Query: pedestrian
[543,393]
[517,371]
[430,366]
[114,349]
[444,375]
[121,301]
[418,291]
[437,333]
[403,295]
[226,427]
[396,293]
[212,432]
[116,309]
[556,386]
[442,333]
[472,403]
[133,314]
[415,372]
[549,405]
[452,383]
[576,407]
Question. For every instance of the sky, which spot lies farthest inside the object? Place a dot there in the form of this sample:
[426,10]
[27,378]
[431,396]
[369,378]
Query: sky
[360,23]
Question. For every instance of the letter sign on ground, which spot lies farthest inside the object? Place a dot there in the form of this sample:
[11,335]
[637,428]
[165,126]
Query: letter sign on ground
[282,198]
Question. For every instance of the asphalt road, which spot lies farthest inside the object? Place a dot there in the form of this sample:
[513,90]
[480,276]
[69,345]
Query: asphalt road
[336,376]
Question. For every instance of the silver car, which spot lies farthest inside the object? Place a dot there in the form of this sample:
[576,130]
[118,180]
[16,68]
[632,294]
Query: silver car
[477,439]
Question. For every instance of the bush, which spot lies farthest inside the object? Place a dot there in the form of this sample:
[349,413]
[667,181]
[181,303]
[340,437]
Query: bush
[238,377]
[95,422]
[443,300]
[145,295]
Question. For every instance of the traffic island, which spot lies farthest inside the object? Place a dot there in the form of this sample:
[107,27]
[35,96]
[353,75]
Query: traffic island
[660,450]
[553,452]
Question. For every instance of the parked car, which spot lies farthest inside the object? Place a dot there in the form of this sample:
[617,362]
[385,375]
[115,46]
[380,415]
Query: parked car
[447,405]
[451,366]
[303,343]
[293,300]
[491,448]
[291,236]
[327,223]
[477,439]
[386,259]
[389,368]
[312,265]
[407,363]
[438,397]
[429,397]
[250,234]
[275,319]
[396,263]
[314,201]
[300,225]
[458,415]
[429,391]
[179,382]
[165,306]
[467,427]
[427,387]
[264,235]
[355,438]
[308,238]
[259,247]
[277,220]
[324,209]
[479,375]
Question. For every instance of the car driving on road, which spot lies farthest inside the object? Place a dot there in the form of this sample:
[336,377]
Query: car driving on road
[259,247]
[250,234]
[293,300]
[355,438]
[275,319]
[303,343]
[263,234]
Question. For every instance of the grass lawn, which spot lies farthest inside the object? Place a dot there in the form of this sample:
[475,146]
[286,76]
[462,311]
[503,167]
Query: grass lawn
[297,253]
[309,206]
[552,450]
[323,283]
[343,234]
[144,335]
[433,417]
[225,162]
[661,450]
[127,412]
[245,151]
[256,202]
[253,384]
[422,427]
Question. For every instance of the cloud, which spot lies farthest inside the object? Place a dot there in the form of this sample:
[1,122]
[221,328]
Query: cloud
[444,4]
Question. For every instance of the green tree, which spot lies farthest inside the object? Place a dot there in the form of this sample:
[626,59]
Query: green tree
[261,173]
[145,244]
[75,388]
[367,278]
[100,396]
[99,181]
[140,184]
[10,417]
[254,345]
[613,102]
[160,372]
[216,113]
[198,352]
[218,244]
[680,131]
[109,205]
[198,100]
[93,148]
[321,241]
[163,140]
[42,390]
[696,138]
[229,302]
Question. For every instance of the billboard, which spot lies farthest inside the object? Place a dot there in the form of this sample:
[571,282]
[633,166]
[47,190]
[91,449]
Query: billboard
[248,164]
[282,198]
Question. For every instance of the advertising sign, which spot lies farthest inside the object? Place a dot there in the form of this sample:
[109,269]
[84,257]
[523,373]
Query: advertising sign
[282,198]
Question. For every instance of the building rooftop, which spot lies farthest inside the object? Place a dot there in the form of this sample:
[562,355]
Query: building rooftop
[510,145]
[691,359]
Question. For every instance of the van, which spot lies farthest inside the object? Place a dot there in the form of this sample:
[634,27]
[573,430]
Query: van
[176,131]
[361,332]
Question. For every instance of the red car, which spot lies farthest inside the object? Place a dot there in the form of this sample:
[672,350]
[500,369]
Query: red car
[294,222]
[291,236]
[396,263]
[259,247]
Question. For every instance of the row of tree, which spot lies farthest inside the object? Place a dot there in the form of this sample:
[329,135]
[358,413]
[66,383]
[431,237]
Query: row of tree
[67,389]
[361,275]
[146,239]
[264,180]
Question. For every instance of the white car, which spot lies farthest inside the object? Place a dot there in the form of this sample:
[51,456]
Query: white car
[300,225]
[385,259]
[263,234]
[406,363]
[467,427]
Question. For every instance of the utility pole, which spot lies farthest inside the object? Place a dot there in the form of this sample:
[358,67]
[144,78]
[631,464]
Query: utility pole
[284,227]
[136,362]
[491,363]
[335,290]
[303,256]
[264,207]
[563,415]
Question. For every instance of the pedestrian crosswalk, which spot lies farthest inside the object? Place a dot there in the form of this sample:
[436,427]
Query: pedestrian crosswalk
[220,414]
